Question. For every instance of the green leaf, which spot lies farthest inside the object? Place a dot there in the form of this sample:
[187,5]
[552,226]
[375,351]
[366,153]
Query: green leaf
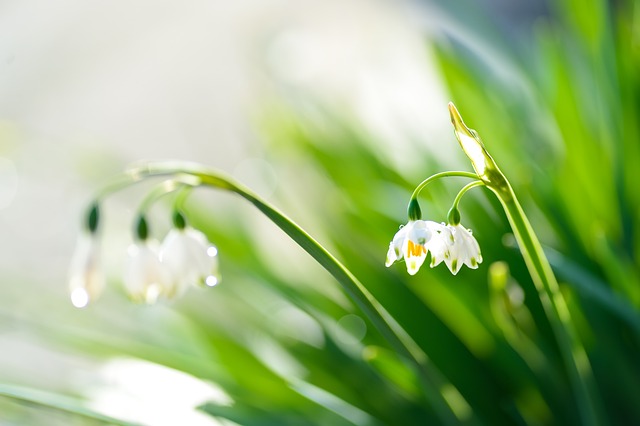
[57,402]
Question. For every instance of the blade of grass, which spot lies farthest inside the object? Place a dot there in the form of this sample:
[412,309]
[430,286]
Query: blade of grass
[56,402]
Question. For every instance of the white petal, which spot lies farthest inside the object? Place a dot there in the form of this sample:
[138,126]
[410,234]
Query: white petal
[190,258]
[395,246]
[414,256]
[438,242]
[86,280]
[392,255]
[145,278]
[471,249]
[419,231]
[439,247]
[465,250]
[453,262]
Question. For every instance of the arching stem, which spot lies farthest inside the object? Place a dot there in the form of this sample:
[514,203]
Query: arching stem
[431,379]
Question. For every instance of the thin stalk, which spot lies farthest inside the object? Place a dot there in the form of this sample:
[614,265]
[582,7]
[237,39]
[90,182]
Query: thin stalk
[431,379]
[555,307]
[464,190]
[440,175]
[164,188]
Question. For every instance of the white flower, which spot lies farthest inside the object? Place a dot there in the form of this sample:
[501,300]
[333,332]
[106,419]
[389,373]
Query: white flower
[465,249]
[190,258]
[145,278]
[440,244]
[413,241]
[86,280]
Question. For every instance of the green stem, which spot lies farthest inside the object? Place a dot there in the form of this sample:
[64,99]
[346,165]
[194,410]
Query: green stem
[166,187]
[555,307]
[573,353]
[431,379]
[464,190]
[431,178]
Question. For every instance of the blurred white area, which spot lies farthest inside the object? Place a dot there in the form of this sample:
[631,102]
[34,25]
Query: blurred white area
[143,392]
[87,87]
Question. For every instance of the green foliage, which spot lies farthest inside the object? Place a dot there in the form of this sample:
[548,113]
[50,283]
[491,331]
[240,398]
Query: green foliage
[275,335]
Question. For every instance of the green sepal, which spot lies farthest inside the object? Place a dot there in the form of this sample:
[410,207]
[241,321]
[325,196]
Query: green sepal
[93,218]
[454,216]
[179,220]
[142,229]
[413,211]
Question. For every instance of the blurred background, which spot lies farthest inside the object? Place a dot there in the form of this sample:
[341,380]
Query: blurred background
[334,111]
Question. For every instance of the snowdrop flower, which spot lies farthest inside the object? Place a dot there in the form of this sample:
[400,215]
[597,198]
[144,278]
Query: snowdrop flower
[86,280]
[145,277]
[190,258]
[465,249]
[413,241]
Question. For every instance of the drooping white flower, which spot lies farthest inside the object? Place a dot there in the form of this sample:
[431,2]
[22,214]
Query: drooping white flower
[465,249]
[190,258]
[145,277]
[86,280]
[440,246]
[414,240]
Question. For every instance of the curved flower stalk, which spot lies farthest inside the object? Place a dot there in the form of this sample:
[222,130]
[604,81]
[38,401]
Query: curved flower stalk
[183,240]
[572,351]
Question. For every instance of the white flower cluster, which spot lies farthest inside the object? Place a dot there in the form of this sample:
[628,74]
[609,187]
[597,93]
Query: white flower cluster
[152,270]
[453,244]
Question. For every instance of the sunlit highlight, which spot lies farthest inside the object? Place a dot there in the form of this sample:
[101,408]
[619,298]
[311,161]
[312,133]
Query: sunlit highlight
[79,297]
[469,142]
[211,281]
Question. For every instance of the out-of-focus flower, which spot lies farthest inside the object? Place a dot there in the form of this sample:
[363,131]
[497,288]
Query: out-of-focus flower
[190,258]
[145,277]
[86,280]
[465,249]
[414,240]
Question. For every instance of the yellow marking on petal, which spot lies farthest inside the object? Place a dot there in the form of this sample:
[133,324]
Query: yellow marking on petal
[415,249]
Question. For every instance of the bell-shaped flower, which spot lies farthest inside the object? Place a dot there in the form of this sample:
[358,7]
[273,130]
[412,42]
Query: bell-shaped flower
[145,277]
[465,249]
[414,240]
[86,280]
[190,258]
[440,246]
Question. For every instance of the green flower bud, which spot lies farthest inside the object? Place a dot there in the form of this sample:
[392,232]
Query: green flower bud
[178,220]
[454,216]
[93,218]
[413,210]
[482,162]
[142,229]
